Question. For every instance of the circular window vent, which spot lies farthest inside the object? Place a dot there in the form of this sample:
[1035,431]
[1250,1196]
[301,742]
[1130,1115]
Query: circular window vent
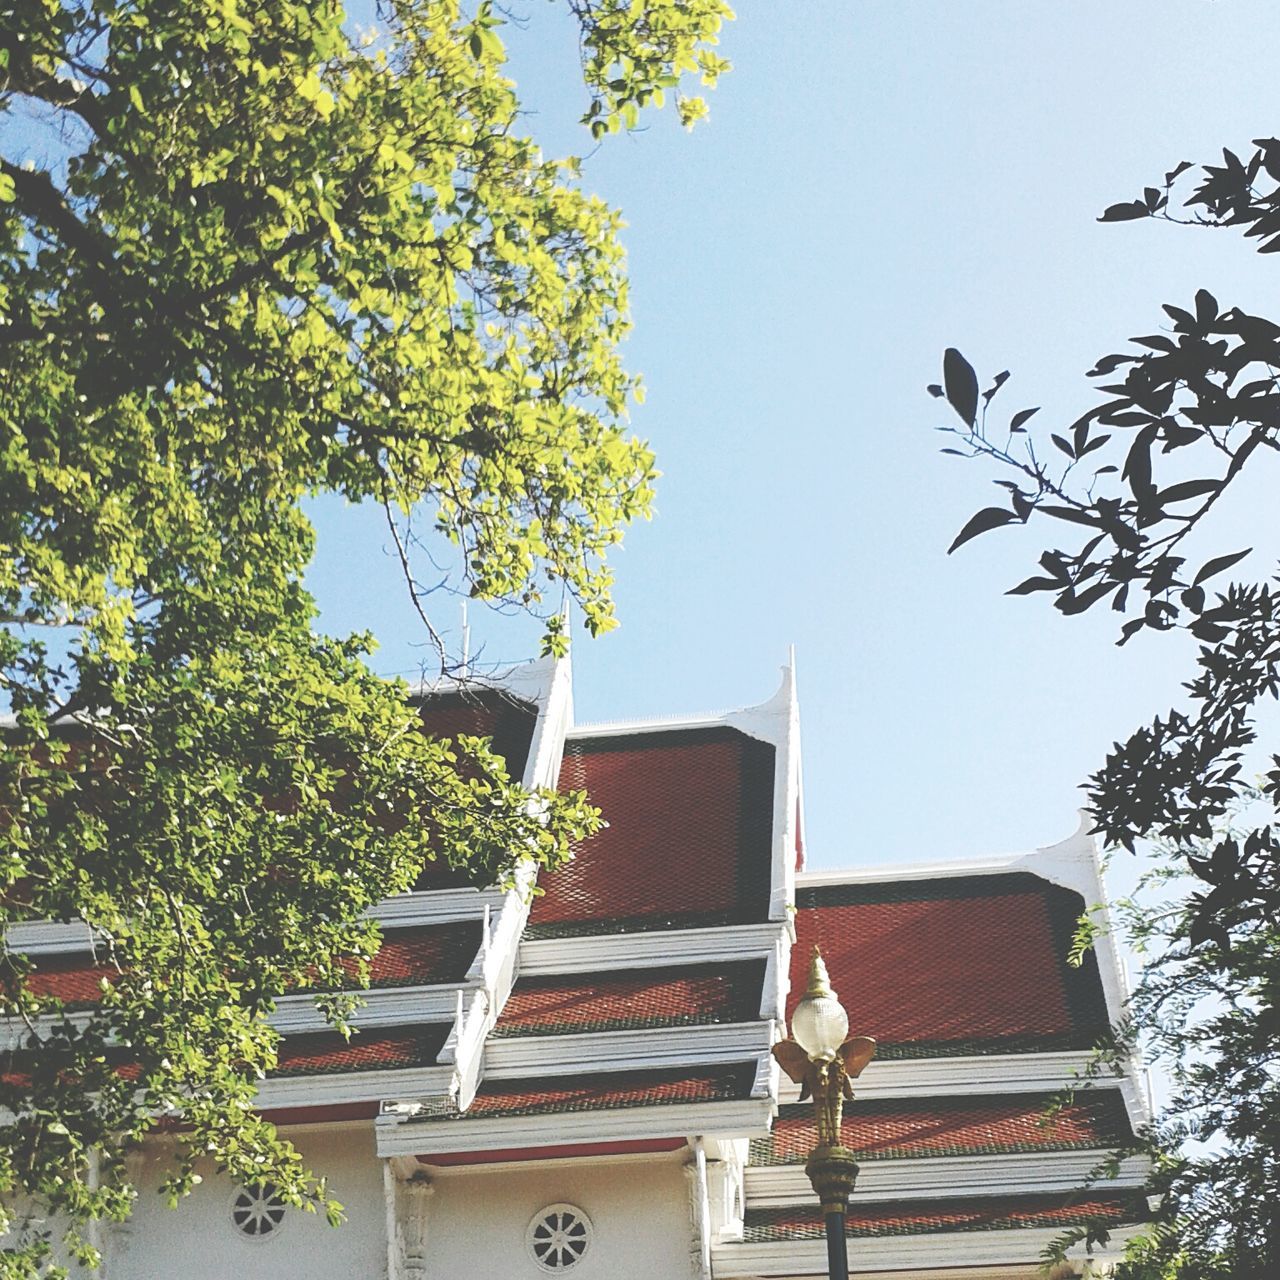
[257,1210]
[559,1236]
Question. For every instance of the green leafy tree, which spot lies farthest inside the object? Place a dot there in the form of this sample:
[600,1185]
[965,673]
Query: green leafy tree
[1204,1013]
[266,258]
[1133,481]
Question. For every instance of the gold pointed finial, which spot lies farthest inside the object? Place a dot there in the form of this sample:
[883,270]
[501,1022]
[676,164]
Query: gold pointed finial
[819,980]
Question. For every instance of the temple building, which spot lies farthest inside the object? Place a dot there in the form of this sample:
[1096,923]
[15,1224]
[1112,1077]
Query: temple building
[580,1082]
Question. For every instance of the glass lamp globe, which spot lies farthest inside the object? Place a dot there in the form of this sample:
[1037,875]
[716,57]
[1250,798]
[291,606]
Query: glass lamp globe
[819,1023]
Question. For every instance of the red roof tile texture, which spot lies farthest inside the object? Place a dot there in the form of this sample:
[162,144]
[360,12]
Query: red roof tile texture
[689,836]
[72,977]
[509,723]
[908,1218]
[323,1053]
[424,956]
[327,1053]
[694,995]
[961,965]
[607,1091]
[890,1129]
[488,713]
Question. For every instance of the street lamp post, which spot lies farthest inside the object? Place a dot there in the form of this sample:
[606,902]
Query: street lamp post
[822,1060]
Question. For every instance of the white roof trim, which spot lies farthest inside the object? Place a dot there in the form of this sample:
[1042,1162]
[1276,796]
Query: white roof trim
[758,721]
[979,1073]
[405,910]
[637,1049]
[653,724]
[745,1118]
[525,680]
[916,1253]
[381,1007]
[505,1164]
[1070,863]
[586,953]
[940,1177]
[44,937]
[778,721]
[298,1015]
[434,906]
[555,717]
[354,1086]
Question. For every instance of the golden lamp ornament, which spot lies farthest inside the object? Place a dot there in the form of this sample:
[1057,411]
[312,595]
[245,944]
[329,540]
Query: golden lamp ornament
[824,1060]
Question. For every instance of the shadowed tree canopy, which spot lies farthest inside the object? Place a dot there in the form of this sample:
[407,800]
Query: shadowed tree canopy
[1125,495]
[249,254]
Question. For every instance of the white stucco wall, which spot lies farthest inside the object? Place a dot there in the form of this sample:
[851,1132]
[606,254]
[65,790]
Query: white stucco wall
[639,1210]
[198,1241]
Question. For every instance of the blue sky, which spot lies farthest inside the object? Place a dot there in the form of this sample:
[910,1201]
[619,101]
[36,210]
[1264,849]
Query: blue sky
[878,181]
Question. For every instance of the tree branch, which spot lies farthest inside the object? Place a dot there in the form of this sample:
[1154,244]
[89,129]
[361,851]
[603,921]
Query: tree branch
[38,197]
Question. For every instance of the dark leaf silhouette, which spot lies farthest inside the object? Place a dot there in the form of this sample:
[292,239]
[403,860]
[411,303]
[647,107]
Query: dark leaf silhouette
[1218,564]
[1125,212]
[987,518]
[961,385]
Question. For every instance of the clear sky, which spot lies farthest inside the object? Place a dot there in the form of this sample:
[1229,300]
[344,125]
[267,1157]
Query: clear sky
[880,180]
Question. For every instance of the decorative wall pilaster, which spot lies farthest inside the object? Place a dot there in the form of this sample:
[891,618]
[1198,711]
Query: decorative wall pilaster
[408,1190]
[726,1163]
[695,1172]
[118,1238]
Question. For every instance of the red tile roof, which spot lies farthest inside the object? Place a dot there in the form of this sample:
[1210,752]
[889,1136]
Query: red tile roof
[327,1053]
[483,713]
[883,1129]
[71,977]
[690,816]
[608,1091]
[426,956]
[970,964]
[919,1217]
[422,956]
[318,1054]
[693,995]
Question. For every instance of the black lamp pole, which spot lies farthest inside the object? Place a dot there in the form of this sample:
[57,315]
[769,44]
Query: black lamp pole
[837,1252]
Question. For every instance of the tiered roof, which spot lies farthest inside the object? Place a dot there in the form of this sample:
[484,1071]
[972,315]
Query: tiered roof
[631,1005]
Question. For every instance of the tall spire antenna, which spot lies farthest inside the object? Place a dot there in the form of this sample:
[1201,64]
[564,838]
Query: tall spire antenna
[566,614]
[465,667]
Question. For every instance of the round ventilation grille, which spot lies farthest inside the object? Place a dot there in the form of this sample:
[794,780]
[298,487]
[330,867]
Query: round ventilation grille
[257,1210]
[559,1236]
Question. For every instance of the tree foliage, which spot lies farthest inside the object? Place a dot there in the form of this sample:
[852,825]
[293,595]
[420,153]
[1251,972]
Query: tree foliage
[1133,482]
[1204,1013]
[262,257]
